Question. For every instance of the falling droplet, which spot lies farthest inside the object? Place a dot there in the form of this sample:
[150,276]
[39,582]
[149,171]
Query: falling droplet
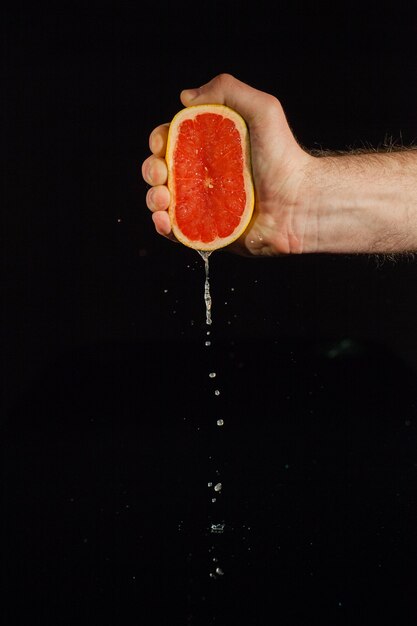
[207,296]
[217,392]
[220,422]
[217,528]
[219,571]
[218,487]
[212,375]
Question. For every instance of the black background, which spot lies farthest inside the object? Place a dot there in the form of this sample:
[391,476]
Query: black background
[110,432]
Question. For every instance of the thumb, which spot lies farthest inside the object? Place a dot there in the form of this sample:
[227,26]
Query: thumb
[262,111]
[251,103]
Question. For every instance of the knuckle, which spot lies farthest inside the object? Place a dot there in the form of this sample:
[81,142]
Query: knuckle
[225,79]
[273,102]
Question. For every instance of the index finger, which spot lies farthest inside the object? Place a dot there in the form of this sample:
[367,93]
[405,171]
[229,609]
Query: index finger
[158,140]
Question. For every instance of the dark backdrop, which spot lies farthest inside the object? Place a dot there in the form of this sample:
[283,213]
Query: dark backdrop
[110,429]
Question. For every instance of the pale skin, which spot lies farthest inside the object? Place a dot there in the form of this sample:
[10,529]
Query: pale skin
[348,203]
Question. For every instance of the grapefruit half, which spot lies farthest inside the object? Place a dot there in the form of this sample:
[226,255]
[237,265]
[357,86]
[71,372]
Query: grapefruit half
[209,176]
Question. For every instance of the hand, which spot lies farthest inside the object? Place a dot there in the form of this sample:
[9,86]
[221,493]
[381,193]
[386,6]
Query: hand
[280,222]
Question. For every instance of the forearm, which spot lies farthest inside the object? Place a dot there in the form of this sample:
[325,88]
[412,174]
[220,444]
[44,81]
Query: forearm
[362,203]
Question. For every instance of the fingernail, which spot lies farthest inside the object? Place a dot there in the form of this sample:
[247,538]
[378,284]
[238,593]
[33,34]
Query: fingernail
[150,194]
[191,93]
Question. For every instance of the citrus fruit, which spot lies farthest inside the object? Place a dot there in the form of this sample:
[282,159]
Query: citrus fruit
[209,176]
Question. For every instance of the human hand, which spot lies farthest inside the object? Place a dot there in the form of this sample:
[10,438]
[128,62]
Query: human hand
[280,222]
